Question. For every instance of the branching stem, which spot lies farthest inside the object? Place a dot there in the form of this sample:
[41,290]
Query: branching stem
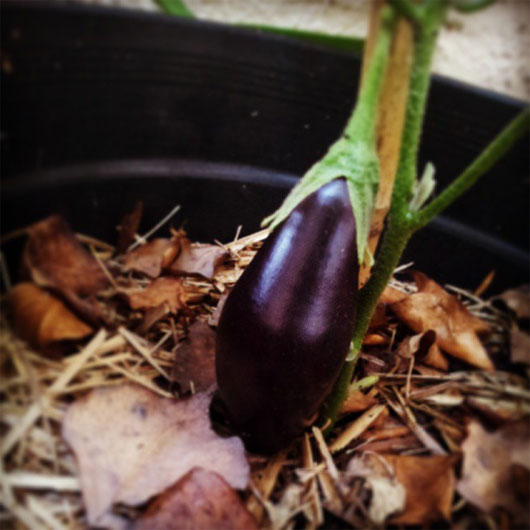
[499,146]
[402,221]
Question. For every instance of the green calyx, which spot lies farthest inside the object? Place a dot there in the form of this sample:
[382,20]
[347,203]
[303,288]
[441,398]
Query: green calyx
[353,156]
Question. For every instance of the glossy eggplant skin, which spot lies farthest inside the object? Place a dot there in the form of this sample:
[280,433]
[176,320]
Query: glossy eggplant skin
[286,326]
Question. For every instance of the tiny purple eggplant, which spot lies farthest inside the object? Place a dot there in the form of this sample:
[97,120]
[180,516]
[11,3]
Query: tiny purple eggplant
[286,326]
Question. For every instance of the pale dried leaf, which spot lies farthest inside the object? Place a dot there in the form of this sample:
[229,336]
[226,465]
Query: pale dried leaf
[131,444]
[162,291]
[289,505]
[151,258]
[198,259]
[194,367]
[199,500]
[433,308]
[53,257]
[42,319]
[427,483]
[492,461]
[388,495]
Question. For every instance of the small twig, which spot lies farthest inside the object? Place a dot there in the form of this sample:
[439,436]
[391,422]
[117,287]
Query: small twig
[143,239]
[94,241]
[324,451]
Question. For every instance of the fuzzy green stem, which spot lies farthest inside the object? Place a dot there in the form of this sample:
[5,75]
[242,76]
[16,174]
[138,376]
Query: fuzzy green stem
[424,45]
[499,146]
[398,230]
[388,257]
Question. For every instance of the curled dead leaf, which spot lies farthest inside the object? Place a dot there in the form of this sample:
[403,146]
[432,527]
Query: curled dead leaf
[195,258]
[433,308]
[152,257]
[518,300]
[379,318]
[162,291]
[491,461]
[194,368]
[391,295]
[53,257]
[128,227]
[424,349]
[131,444]
[199,500]
[42,319]
[388,494]
[428,483]
[519,345]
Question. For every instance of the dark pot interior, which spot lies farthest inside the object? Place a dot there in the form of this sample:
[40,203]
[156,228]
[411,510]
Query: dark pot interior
[102,107]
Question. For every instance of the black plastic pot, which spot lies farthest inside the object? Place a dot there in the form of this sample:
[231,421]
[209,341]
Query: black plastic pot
[103,107]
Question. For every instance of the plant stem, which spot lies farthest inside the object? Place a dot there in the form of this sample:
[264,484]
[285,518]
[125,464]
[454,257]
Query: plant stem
[498,147]
[412,11]
[362,124]
[425,42]
[469,6]
[399,228]
[388,257]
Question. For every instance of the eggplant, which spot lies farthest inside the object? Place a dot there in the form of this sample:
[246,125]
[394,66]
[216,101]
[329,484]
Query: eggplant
[286,326]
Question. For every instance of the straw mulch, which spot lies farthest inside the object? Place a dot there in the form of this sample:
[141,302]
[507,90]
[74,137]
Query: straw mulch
[408,410]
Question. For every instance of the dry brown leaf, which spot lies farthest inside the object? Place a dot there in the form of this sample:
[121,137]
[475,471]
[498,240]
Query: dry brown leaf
[519,345]
[194,368]
[151,317]
[379,317]
[131,444]
[53,257]
[492,464]
[200,500]
[198,259]
[392,295]
[152,257]
[42,319]
[518,300]
[162,291]
[456,328]
[424,349]
[357,401]
[128,227]
[429,482]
